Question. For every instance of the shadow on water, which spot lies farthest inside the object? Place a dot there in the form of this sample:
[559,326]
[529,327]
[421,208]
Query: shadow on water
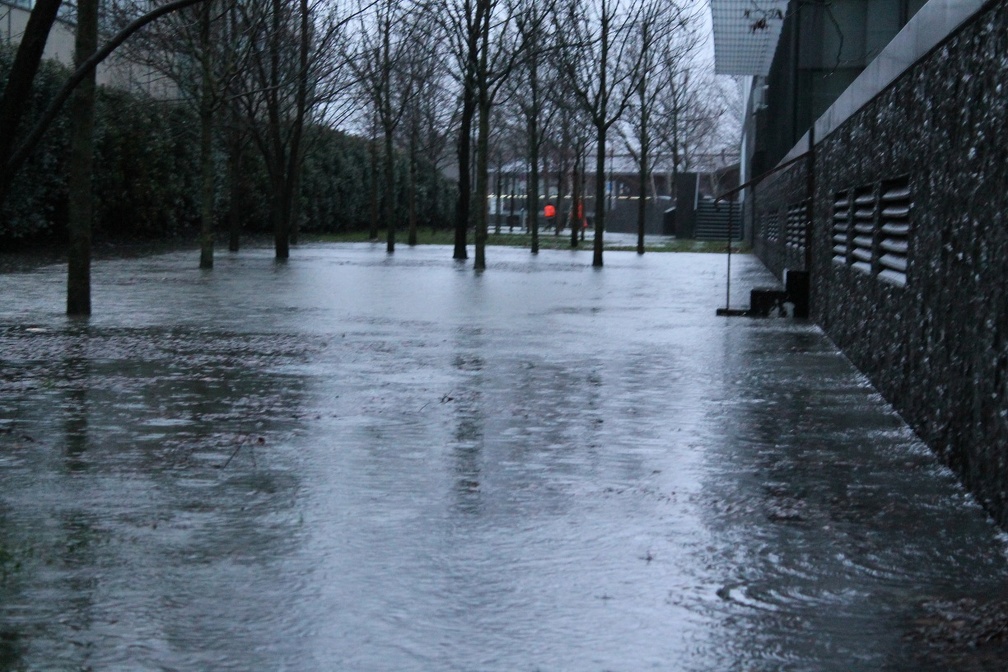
[75,422]
[467,404]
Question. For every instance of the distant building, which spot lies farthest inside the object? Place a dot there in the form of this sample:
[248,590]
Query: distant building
[115,71]
[622,191]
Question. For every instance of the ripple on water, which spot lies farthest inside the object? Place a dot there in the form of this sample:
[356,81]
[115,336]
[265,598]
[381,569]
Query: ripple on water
[387,462]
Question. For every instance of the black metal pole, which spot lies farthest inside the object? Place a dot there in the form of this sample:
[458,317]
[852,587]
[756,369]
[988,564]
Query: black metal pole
[727,304]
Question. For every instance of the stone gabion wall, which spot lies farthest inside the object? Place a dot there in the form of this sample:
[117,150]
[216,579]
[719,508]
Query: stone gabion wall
[919,178]
[780,207]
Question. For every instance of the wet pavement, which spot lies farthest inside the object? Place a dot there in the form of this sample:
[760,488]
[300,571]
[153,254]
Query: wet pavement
[360,462]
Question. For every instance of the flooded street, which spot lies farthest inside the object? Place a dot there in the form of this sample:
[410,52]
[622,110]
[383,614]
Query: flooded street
[361,462]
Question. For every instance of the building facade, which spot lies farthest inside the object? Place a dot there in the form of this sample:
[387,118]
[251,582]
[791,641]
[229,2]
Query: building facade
[893,200]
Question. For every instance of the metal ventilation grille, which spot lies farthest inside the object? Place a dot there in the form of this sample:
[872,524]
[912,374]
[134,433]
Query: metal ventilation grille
[894,232]
[841,227]
[864,229]
[797,218]
[773,228]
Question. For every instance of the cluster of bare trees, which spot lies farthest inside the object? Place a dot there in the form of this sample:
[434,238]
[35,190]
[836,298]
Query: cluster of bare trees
[554,80]
[493,80]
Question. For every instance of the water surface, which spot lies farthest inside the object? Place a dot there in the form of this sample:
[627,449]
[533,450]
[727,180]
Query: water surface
[355,461]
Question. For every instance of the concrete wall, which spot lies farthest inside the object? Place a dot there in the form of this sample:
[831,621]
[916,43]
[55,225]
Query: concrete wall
[932,136]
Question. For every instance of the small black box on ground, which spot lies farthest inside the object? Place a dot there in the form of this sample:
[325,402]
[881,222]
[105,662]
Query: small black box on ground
[796,284]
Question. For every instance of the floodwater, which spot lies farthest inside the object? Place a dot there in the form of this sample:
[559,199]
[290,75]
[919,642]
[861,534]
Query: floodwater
[355,461]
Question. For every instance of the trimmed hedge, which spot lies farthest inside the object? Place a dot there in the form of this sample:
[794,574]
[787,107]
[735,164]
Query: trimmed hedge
[146,182]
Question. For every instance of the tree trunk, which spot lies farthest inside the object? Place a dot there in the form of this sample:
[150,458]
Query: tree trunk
[278,213]
[206,144]
[497,205]
[576,198]
[533,138]
[373,230]
[235,185]
[207,190]
[482,182]
[389,196]
[413,190]
[512,189]
[558,218]
[599,194]
[584,189]
[80,206]
[463,204]
[644,168]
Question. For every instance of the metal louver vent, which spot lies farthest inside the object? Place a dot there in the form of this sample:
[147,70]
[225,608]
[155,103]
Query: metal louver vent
[841,227]
[797,217]
[773,228]
[894,232]
[864,229]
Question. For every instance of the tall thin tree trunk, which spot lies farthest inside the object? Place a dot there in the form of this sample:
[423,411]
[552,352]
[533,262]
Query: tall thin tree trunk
[413,189]
[80,206]
[373,152]
[206,143]
[463,205]
[207,186]
[389,196]
[558,218]
[482,182]
[576,196]
[512,188]
[584,187]
[533,139]
[644,168]
[278,213]
[497,202]
[235,155]
[599,195]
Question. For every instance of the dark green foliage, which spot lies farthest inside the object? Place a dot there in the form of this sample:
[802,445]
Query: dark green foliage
[146,178]
[146,181]
[336,182]
[335,186]
[37,200]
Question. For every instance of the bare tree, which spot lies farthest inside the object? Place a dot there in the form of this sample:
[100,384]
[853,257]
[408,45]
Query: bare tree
[461,19]
[15,146]
[80,205]
[295,66]
[200,52]
[602,59]
[689,112]
[499,49]
[428,118]
[530,91]
[666,36]
[381,64]
[80,87]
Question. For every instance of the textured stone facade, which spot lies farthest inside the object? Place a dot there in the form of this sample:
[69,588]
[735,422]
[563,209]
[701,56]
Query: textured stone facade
[932,338]
[781,215]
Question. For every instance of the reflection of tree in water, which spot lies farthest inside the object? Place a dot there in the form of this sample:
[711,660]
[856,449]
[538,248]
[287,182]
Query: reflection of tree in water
[470,424]
[76,371]
[140,421]
[10,651]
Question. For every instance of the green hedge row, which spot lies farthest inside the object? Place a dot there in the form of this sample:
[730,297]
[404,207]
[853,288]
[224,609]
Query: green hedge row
[146,182]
